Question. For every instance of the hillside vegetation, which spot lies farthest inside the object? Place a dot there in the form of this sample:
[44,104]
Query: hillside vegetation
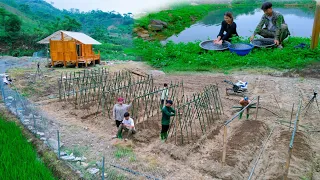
[24,22]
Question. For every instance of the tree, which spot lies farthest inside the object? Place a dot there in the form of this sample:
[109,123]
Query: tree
[70,24]
[3,14]
[13,24]
[99,33]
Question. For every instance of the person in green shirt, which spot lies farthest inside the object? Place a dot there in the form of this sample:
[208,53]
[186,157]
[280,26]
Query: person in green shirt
[272,25]
[167,112]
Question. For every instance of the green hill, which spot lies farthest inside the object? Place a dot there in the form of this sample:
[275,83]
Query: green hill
[39,19]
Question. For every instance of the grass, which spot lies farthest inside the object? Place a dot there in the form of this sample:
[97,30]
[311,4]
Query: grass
[190,57]
[18,160]
[124,151]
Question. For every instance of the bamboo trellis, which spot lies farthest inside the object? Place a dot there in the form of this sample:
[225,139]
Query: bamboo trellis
[126,89]
[86,87]
[146,108]
[195,115]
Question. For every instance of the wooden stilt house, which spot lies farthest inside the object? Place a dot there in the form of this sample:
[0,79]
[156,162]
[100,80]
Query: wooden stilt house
[71,48]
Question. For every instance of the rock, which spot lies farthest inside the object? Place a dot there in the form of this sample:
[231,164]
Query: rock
[80,159]
[43,139]
[144,35]
[40,133]
[145,32]
[10,98]
[158,22]
[63,153]
[68,158]
[99,164]
[26,121]
[93,170]
[154,27]
[54,143]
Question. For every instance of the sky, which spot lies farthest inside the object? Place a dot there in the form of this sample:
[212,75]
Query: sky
[121,6]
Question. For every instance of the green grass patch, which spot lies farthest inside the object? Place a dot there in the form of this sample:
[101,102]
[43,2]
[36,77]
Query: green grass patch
[123,151]
[18,159]
[190,57]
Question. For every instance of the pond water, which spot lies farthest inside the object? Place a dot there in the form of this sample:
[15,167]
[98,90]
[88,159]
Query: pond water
[300,23]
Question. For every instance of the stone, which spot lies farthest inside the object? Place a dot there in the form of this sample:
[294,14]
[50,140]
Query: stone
[158,22]
[144,35]
[80,159]
[43,139]
[10,98]
[68,158]
[145,32]
[26,121]
[93,170]
[63,153]
[40,133]
[154,27]
[54,143]
[99,164]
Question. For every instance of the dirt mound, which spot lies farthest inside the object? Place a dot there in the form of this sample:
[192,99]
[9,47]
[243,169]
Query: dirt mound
[301,148]
[247,138]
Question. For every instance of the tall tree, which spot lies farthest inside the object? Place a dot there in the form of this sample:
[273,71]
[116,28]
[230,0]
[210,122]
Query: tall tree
[13,24]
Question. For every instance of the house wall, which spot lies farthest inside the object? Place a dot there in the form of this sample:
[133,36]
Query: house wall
[63,50]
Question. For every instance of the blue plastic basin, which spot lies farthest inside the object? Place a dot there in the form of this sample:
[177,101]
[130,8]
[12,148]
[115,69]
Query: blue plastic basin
[241,49]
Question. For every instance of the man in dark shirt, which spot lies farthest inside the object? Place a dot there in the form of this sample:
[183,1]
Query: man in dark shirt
[275,26]
[167,112]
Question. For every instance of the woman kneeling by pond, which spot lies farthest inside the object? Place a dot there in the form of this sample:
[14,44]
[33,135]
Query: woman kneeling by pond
[227,26]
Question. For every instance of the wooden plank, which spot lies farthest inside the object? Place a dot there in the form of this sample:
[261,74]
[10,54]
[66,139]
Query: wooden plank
[316,27]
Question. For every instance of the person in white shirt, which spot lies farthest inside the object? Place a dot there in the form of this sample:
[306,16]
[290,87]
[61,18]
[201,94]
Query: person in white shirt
[119,110]
[127,125]
[164,94]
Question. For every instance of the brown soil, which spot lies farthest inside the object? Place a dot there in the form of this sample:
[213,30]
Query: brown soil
[202,159]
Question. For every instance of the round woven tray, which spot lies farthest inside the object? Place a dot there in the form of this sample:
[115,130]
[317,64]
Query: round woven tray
[263,42]
[209,45]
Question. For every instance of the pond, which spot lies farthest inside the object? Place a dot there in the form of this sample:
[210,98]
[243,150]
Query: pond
[300,23]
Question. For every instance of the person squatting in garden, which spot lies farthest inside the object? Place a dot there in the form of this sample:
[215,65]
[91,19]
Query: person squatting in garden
[167,112]
[119,110]
[244,102]
[164,94]
[228,26]
[275,26]
[127,125]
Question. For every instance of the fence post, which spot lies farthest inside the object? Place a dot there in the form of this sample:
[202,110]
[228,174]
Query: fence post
[257,108]
[224,152]
[58,144]
[102,170]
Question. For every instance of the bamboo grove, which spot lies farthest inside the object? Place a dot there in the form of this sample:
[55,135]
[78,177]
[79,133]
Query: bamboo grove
[99,89]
